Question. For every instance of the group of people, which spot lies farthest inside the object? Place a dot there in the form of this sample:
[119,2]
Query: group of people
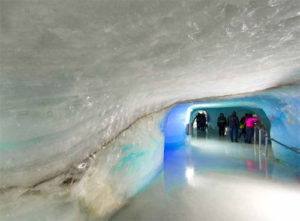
[237,127]
[201,121]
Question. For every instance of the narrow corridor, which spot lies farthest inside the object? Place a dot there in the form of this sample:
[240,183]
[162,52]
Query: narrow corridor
[211,178]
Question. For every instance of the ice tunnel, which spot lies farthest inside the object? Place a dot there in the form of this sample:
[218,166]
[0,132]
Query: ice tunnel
[96,95]
[272,111]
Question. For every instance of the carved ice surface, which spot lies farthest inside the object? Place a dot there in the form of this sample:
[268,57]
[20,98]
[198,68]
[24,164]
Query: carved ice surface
[115,174]
[74,74]
[124,167]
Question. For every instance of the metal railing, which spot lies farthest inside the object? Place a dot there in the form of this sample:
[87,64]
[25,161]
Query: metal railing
[263,137]
[294,149]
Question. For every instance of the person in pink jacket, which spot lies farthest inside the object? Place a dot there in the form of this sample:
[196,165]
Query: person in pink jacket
[250,121]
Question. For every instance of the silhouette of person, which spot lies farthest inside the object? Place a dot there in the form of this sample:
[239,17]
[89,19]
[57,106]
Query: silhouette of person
[234,124]
[221,124]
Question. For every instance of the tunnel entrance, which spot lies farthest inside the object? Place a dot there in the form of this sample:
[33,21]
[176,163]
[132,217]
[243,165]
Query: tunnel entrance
[180,122]
[213,113]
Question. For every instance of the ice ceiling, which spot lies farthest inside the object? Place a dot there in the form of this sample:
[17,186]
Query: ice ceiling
[74,73]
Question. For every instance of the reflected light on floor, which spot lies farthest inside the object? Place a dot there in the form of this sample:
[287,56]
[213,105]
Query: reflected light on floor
[189,174]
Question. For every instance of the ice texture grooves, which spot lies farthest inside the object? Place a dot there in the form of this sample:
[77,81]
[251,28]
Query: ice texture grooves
[74,73]
[125,166]
[108,180]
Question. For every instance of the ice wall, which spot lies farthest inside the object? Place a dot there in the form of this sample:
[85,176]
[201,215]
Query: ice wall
[123,168]
[76,73]
[97,186]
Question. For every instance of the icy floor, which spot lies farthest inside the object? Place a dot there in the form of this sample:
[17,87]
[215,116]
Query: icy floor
[214,179]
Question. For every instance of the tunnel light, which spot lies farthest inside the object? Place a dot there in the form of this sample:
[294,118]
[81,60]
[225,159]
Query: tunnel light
[189,174]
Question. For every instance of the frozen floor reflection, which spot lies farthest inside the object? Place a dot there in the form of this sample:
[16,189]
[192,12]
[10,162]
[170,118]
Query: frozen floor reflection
[214,179]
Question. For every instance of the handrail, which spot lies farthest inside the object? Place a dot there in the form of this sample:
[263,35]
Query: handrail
[294,149]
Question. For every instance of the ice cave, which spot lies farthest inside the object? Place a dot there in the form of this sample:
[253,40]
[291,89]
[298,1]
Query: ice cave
[99,102]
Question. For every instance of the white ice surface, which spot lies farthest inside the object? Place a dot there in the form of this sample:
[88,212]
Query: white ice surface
[112,176]
[123,168]
[75,73]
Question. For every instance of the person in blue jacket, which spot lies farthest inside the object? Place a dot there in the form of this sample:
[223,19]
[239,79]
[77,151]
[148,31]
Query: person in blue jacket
[234,124]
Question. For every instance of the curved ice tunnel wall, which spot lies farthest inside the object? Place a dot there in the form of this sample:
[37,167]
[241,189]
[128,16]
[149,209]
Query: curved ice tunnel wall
[99,185]
[74,74]
[123,168]
[51,154]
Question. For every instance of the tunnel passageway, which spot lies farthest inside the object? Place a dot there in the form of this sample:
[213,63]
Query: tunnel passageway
[213,179]
[96,96]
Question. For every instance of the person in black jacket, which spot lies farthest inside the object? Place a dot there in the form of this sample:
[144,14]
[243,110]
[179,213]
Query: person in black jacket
[234,124]
[198,120]
[202,122]
[221,124]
